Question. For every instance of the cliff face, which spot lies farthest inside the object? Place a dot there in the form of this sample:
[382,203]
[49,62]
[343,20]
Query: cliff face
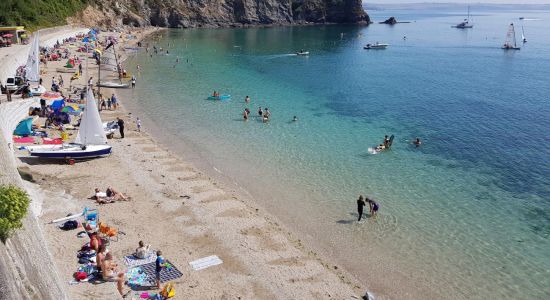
[219,13]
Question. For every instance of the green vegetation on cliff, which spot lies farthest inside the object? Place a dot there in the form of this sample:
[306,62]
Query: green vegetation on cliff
[38,13]
[14,203]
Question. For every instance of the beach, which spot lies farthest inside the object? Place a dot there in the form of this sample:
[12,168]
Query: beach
[180,210]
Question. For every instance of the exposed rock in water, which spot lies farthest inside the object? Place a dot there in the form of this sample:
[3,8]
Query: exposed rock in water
[390,21]
[219,13]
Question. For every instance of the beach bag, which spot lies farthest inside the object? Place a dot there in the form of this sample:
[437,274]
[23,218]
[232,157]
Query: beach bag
[80,276]
[69,225]
[168,291]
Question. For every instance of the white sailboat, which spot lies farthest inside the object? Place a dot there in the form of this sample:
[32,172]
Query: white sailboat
[466,23]
[523,38]
[32,68]
[510,42]
[90,141]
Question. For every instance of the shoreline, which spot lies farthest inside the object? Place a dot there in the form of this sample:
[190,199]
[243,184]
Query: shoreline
[226,208]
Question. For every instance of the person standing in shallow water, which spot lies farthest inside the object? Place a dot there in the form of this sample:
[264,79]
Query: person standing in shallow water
[120,123]
[360,205]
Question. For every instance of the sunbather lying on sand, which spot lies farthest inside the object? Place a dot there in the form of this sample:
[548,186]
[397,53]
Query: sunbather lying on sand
[109,196]
[116,195]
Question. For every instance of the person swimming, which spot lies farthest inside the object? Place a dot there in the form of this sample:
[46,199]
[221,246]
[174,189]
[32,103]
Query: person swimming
[417,142]
[386,141]
[295,119]
[260,111]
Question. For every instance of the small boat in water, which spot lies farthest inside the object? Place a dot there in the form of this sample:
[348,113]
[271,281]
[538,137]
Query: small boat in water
[510,42]
[220,97]
[466,23]
[523,38]
[114,85]
[376,46]
[302,53]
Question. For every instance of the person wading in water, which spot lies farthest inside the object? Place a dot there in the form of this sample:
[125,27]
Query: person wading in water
[360,204]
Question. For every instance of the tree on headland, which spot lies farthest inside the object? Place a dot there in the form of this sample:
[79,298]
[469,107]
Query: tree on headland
[14,203]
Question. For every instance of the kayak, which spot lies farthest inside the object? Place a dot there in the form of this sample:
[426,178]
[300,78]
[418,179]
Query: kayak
[220,97]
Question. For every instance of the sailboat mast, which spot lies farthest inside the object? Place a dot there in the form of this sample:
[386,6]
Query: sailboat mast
[514,32]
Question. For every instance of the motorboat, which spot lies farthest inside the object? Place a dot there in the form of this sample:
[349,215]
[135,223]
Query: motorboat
[302,53]
[376,46]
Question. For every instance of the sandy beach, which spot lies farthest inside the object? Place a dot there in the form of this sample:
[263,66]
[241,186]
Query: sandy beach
[177,209]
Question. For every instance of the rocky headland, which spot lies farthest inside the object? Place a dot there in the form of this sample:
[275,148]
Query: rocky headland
[218,13]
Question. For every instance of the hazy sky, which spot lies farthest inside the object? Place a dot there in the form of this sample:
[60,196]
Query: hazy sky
[461,1]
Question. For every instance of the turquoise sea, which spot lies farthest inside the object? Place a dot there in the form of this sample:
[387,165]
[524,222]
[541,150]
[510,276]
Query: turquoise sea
[466,215]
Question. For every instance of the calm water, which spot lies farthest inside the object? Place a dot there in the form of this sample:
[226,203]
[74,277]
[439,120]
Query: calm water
[466,215]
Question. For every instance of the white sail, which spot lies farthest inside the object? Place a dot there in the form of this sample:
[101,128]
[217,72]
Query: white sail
[109,59]
[32,68]
[91,129]
[510,37]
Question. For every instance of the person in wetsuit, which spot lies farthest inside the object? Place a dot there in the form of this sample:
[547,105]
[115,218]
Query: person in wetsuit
[360,204]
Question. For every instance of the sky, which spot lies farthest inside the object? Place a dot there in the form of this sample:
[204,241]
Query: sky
[460,1]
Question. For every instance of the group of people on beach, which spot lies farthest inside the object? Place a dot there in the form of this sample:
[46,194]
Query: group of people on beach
[362,202]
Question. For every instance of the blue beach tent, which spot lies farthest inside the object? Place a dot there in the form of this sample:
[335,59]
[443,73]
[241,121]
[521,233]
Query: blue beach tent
[58,104]
[24,128]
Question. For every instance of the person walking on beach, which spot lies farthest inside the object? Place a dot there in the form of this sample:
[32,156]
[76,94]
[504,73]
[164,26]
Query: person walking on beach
[109,103]
[133,81]
[60,80]
[114,101]
[120,123]
[80,70]
[138,123]
[360,204]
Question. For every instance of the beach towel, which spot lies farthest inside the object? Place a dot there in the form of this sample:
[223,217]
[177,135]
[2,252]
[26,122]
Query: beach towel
[167,274]
[24,140]
[132,261]
[48,141]
[136,276]
[205,262]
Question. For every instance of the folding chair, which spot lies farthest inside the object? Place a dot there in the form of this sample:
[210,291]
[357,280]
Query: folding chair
[110,233]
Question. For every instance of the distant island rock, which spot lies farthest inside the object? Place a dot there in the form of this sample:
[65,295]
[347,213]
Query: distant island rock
[390,21]
[218,13]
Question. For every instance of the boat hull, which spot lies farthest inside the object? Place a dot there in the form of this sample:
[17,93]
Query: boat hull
[37,91]
[376,46]
[303,53]
[73,151]
[114,85]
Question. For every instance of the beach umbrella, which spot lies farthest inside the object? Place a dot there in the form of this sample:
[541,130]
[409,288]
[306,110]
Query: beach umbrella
[51,96]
